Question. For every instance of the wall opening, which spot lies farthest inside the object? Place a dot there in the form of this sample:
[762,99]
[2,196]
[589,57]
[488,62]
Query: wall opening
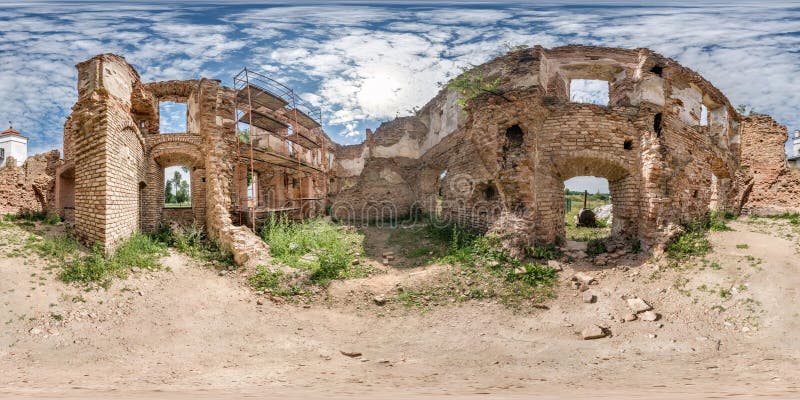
[490,192]
[438,207]
[252,189]
[582,225]
[703,115]
[172,117]
[514,137]
[177,187]
[658,70]
[657,124]
[628,144]
[590,91]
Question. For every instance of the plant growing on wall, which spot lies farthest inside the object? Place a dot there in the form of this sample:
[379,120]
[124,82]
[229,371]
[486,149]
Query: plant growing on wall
[472,83]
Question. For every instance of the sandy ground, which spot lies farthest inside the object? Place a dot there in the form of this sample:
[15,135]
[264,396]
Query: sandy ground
[190,333]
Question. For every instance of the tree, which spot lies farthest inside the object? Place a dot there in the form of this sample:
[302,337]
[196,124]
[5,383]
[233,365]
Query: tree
[168,197]
[182,194]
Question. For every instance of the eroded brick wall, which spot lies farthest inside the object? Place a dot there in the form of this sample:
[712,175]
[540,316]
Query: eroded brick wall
[30,187]
[770,186]
[664,169]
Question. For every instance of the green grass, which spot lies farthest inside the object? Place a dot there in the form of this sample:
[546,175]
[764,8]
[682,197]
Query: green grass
[192,241]
[584,233]
[486,271]
[717,221]
[324,249]
[742,246]
[277,283]
[793,218]
[692,243]
[139,250]
[187,204]
[61,249]
[419,252]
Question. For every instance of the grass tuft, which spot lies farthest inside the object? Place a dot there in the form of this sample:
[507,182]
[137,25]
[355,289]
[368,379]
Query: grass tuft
[139,250]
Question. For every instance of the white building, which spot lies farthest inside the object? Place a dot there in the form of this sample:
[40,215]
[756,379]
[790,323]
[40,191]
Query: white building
[12,144]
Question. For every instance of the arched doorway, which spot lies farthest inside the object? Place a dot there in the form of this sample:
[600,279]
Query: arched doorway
[623,192]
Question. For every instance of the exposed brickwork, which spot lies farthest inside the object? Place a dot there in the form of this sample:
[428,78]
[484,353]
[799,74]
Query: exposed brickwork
[112,181]
[29,187]
[770,186]
[507,156]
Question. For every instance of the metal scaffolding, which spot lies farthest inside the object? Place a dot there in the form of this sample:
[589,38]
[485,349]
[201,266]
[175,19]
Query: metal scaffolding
[275,115]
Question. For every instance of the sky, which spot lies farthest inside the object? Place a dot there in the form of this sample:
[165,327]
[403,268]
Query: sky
[364,63]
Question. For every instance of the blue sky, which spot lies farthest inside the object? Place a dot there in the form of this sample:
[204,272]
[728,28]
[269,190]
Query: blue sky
[364,63]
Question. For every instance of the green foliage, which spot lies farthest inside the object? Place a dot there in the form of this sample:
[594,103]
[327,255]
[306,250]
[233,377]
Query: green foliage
[192,241]
[57,248]
[691,243]
[717,221]
[742,246]
[138,251]
[168,196]
[514,47]
[33,216]
[545,252]
[244,135]
[472,83]
[177,191]
[793,218]
[419,252]
[482,256]
[326,250]
[276,283]
[595,247]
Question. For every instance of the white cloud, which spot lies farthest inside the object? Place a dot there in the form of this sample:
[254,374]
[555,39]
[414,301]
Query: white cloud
[364,64]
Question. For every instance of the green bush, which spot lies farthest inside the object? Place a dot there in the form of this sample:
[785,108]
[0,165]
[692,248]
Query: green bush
[138,251]
[331,246]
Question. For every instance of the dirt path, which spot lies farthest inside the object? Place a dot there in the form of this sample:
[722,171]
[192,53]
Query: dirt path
[190,333]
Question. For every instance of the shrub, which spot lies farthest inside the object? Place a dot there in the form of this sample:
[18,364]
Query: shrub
[274,282]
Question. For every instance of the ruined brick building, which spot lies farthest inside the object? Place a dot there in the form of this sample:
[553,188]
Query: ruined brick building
[112,181]
[670,144]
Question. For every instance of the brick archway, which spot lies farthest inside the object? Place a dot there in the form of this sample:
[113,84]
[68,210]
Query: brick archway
[622,181]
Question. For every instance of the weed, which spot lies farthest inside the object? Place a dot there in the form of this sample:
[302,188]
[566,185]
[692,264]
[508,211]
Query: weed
[57,317]
[595,247]
[58,248]
[691,243]
[716,221]
[276,283]
[545,252]
[419,252]
[333,246]
[138,251]
[725,294]
[742,246]
[192,241]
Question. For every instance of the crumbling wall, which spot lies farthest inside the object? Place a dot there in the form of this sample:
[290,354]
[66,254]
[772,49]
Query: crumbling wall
[30,187]
[499,164]
[770,186]
[108,152]
[385,167]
